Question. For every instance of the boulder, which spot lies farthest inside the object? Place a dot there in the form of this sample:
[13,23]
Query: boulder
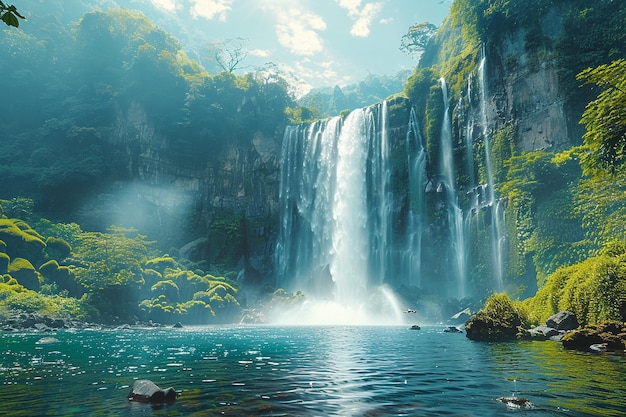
[146,391]
[608,336]
[485,328]
[452,329]
[544,332]
[563,320]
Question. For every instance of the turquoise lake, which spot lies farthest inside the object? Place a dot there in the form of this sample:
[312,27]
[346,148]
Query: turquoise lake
[302,371]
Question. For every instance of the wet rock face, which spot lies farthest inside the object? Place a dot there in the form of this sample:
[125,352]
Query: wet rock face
[146,391]
[524,87]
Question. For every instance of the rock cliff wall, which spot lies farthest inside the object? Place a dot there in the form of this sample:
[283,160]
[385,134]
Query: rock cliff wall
[524,88]
[221,207]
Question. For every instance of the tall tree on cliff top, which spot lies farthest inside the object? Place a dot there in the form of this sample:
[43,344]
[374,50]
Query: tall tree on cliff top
[416,39]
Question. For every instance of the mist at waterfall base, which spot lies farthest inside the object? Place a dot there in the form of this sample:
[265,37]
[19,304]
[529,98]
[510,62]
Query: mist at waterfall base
[355,236]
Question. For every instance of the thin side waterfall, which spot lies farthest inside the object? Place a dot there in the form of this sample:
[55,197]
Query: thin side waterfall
[306,186]
[416,161]
[469,130]
[379,193]
[455,213]
[497,212]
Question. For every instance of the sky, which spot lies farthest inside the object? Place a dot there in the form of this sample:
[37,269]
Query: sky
[321,42]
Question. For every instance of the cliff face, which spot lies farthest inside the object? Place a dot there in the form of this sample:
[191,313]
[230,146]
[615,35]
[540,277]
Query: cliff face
[220,207]
[524,88]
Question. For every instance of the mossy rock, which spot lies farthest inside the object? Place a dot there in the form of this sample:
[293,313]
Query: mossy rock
[24,272]
[498,321]
[49,268]
[485,328]
[3,246]
[20,239]
[4,263]
[62,276]
[57,248]
[610,335]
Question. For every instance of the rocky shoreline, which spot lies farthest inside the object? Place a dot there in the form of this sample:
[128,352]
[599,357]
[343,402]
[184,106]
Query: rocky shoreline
[20,322]
[562,327]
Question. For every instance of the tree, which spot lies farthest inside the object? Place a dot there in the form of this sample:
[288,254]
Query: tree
[9,15]
[230,54]
[605,118]
[416,39]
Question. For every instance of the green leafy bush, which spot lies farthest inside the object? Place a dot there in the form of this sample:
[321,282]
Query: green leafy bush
[161,263]
[595,289]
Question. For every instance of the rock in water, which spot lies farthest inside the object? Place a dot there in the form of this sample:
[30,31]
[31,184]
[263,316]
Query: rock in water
[516,402]
[146,391]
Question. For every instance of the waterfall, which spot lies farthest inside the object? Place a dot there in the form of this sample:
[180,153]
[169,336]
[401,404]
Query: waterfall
[335,242]
[497,212]
[350,242]
[455,213]
[359,212]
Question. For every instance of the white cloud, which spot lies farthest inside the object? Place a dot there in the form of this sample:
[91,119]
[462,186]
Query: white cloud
[210,9]
[297,30]
[168,5]
[263,53]
[352,6]
[386,21]
[363,16]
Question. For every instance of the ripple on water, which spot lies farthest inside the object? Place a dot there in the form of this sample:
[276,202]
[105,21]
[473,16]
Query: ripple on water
[303,371]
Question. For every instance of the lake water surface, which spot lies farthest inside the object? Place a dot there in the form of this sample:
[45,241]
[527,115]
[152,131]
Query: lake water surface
[302,371]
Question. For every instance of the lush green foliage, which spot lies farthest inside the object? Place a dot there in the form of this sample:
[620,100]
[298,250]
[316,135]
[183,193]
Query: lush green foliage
[605,119]
[595,289]
[106,277]
[121,79]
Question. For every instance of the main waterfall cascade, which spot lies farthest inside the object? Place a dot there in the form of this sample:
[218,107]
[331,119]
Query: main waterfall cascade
[362,218]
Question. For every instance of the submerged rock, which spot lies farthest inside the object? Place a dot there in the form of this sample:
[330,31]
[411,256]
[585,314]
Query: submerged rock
[516,402]
[415,327]
[146,391]
[452,329]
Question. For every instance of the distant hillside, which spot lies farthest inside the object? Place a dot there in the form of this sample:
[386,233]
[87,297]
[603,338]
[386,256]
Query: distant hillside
[331,101]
